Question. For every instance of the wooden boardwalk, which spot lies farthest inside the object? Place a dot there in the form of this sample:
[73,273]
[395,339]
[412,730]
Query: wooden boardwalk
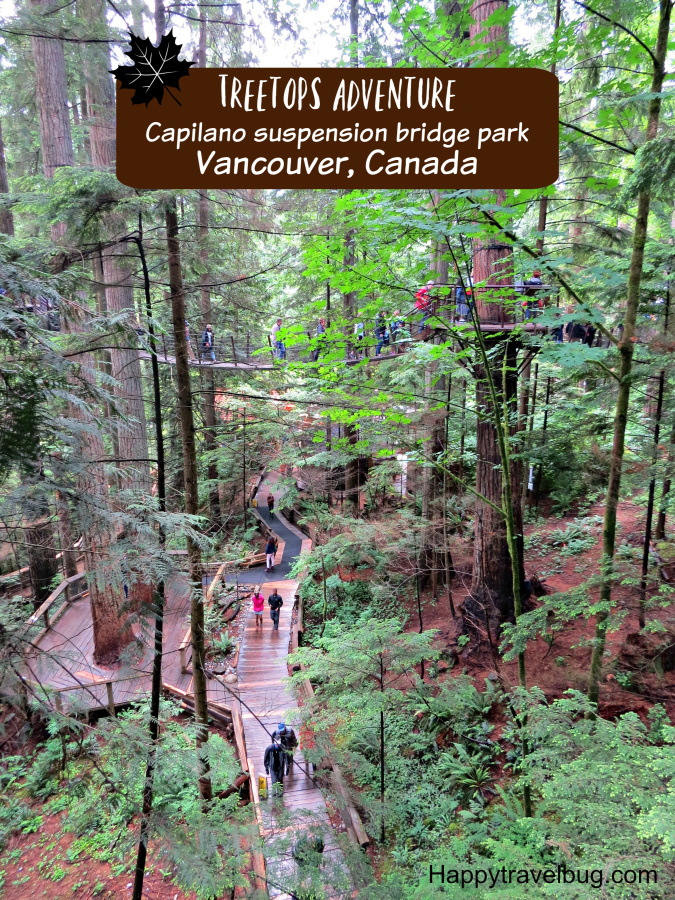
[266,700]
[207,364]
[63,660]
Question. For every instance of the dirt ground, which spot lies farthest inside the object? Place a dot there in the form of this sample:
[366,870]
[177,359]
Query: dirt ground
[565,663]
[37,866]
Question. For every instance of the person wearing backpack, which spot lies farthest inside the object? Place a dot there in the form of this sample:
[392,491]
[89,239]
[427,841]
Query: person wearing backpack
[258,607]
[270,505]
[270,551]
[289,741]
[275,603]
[275,764]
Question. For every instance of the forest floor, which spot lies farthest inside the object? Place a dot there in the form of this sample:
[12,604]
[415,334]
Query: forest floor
[42,865]
[564,565]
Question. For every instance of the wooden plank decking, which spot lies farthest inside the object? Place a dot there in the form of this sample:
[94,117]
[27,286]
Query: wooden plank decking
[266,700]
[63,661]
[64,656]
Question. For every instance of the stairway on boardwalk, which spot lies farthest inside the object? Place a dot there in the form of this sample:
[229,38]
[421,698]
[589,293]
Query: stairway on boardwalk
[266,700]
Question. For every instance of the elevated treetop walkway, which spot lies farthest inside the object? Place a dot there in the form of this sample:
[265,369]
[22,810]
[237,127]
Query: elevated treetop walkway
[238,352]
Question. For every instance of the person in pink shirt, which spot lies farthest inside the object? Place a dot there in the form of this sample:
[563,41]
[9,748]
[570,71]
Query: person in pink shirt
[258,606]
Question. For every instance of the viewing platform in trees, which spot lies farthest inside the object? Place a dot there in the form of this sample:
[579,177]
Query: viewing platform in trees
[59,666]
[238,352]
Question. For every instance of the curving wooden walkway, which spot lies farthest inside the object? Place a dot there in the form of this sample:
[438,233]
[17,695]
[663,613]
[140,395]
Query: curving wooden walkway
[266,700]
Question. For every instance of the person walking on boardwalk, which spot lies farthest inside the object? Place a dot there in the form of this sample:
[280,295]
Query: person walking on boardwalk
[207,343]
[289,742]
[275,764]
[270,551]
[320,339]
[424,303]
[275,603]
[258,607]
[270,504]
[279,346]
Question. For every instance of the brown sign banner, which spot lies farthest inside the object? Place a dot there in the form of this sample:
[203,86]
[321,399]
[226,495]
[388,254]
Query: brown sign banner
[343,128]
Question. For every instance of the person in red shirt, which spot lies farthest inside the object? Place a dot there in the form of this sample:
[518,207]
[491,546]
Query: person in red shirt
[258,606]
[423,303]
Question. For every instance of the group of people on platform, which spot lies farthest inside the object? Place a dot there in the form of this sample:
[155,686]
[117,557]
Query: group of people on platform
[392,332]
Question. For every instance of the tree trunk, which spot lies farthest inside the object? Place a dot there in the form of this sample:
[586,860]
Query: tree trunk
[6,217]
[117,269]
[56,139]
[492,593]
[66,534]
[492,580]
[191,488]
[156,691]
[41,549]
[110,633]
[210,443]
[626,349]
[660,531]
[481,10]
[160,19]
[352,469]
[354,33]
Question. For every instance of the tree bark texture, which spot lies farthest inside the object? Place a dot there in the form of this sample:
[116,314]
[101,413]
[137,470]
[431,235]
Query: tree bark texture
[6,217]
[66,535]
[481,10]
[41,549]
[117,269]
[492,582]
[51,91]
[107,601]
[191,486]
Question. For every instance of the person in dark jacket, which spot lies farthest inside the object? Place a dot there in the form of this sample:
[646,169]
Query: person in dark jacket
[275,763]
[289,741]
[270,504]
[380,331]
[270,551]
[534,304]
[208,344]
[275,603]
[589,335]
[320,339]
[575,331]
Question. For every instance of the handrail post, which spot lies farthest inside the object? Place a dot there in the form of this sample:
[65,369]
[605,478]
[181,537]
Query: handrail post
[183,662]
[234,352]
[46,618]
[111,698]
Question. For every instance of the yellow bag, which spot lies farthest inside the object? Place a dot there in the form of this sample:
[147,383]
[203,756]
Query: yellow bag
[262,787]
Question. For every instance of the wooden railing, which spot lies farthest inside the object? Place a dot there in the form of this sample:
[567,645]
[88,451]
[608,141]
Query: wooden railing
[46,613]
[18,578]
[59,692]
